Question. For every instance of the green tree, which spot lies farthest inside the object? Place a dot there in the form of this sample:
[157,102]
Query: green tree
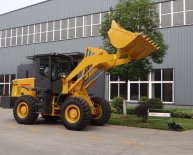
[135,16]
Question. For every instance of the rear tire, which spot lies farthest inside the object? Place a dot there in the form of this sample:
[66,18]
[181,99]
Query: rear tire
[103,110]
[25,110]
[75,113]
[50,118]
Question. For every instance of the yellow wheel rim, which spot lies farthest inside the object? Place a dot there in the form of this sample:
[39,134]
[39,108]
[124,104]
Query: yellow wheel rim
[72,114]
[22,110]
[98,110]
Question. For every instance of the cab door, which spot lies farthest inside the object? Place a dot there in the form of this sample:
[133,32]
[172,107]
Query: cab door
[43,73]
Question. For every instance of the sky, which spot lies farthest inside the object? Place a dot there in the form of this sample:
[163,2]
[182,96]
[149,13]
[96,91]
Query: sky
[11,5]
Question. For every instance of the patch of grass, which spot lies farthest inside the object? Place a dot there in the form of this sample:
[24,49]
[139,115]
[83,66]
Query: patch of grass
[153,123]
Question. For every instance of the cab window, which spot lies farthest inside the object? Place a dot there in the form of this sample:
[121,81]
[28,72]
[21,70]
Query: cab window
[60,68]
[44,67]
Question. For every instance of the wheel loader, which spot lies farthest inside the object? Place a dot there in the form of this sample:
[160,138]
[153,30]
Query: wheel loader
[59,89]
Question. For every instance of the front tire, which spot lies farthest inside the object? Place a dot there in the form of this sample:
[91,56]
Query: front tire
[75,113]
[25,110]
[103,111]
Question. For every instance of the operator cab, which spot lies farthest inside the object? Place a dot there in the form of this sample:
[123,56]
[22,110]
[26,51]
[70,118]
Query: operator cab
[51,68]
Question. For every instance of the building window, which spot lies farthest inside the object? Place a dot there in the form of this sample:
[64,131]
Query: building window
[95,24]
[166,14]
[87,26]
[5,84]
[43,35]
[71,30]
[14,37]
[134,91]
[19,35]
[189,5]
[158,84]
[57,30]
[164,87]
[117,87]
[64,26]
[79,27]
[50,35]
[8,38]
[189,11]
[3,38]
[37,33]
[25,35]
[178,12]
[3,41]
[31,34]
[189,17]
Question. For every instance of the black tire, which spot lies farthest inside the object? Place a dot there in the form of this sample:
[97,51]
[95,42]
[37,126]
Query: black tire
[50,118]
[81,108]
[103,114]
[31,115]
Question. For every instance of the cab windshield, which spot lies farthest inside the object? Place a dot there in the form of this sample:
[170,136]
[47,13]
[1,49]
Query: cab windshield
[60,68]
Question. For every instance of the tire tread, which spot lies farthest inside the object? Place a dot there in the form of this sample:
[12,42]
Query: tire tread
[32,113]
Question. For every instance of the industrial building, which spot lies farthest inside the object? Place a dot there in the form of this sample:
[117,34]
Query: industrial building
[63,26]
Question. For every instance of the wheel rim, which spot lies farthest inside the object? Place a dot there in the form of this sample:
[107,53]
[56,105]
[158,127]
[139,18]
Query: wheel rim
[98,110]
[22,110]
[72,114]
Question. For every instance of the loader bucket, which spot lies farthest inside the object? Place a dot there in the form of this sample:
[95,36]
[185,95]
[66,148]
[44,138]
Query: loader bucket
[135,45]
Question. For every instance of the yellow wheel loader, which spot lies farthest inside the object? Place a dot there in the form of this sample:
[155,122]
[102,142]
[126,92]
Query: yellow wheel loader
[59,88]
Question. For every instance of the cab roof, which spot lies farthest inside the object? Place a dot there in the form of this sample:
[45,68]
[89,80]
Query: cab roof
[70,56]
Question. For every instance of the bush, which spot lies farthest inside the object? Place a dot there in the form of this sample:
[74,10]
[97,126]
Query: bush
[142,111]
[117,104]
[182,113]
[143,99]
[156,103]
[144,104]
